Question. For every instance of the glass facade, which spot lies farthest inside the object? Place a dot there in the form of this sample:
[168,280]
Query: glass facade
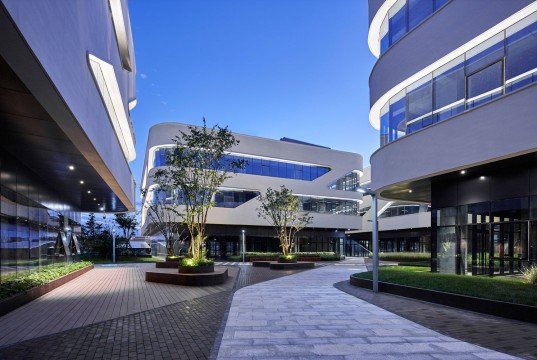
[223,198]
[349,182]
[404,16]
[399,210]
[502,64]
[263,167]
[328,205]
[486,238]
[32,234]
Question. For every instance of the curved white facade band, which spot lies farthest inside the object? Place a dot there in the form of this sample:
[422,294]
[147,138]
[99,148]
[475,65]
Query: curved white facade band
[106,81]
[373,36]
[374,113]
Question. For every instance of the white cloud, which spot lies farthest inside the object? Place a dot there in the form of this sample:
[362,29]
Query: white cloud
[143,76]
[164,103]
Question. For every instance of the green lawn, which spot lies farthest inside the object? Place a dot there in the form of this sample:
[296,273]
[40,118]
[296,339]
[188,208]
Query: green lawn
[508,289]
[25,280]
[128,259]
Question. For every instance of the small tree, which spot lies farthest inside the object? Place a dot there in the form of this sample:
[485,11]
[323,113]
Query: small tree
[127,224]
[197,166]
[163,217]
[281,209]
[91,234]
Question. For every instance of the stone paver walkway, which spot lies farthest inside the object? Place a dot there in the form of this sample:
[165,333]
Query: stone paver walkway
[303,316]
[104,293]
[493,332]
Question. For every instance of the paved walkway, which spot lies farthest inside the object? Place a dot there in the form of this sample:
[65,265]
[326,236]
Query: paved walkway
[184,330]
[493,332]
[104,293]
[303,316]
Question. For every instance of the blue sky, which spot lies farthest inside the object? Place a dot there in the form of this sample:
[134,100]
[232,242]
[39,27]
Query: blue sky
[271,68]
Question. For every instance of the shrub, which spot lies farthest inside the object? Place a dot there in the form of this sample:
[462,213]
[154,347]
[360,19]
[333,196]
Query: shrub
[190,262]
[16,283]
[405,257]
[530,274]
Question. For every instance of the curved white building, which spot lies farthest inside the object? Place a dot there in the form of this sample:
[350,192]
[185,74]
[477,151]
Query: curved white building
[453,96]
[325,180]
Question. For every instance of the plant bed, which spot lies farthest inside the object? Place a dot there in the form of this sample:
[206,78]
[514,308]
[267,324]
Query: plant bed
[261,263]
[200,269]
[25,296]
[287,259]
[291,265]
[217,277]
[174,258]
[485,306]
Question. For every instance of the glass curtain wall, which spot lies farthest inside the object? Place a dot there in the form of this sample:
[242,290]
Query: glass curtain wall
[32,235]
[488,238]
[349,182]
[263,167]
[404,16]
[500,65]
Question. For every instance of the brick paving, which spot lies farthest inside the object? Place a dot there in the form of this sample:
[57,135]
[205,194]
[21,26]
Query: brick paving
[104,293]
[304,316]
[183,330]
[505,335]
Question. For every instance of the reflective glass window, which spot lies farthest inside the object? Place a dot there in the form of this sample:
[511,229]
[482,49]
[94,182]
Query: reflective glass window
[448,86]
[419,99]
[484,85]
[445,216]
[521,53]
[484,54]
[397,126]
[418,10]
[328,205]
[474,213]
[510,209]
[446,240]
[398,21]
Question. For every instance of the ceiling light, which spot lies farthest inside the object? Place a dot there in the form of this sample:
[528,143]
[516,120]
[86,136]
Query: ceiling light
[102,209]
[463,172]
[82,181]
[94,199]
[410,190]
[89,191]
[481,178]
[71,167]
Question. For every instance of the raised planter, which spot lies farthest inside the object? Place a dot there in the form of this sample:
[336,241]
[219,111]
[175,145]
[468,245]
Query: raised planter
[18,300]
[261,263]
[486,306]
[217,277]
[167,265]
[291,266]
[202,269]
[174,259]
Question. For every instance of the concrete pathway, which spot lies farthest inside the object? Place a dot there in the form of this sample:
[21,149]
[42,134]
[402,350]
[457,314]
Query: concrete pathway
[104,293]
[303,316]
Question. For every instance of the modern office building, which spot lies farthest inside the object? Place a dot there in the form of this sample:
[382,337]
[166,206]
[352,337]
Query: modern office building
[67,75]
[403,226]
[453,95]
[325,180]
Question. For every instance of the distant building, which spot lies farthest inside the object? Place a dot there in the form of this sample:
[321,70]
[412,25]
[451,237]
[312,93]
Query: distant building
[453,95]
[325,181]
[403,226]
[67,75]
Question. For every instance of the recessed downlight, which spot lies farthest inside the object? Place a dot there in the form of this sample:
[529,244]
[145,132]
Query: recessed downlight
[81,181]
[463,172]
[481,178]
[410,190]
[71,167]
[89,191]
[94,199]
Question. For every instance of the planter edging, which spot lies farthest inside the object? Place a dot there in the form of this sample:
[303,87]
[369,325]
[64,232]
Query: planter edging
[504,309]
[23,298]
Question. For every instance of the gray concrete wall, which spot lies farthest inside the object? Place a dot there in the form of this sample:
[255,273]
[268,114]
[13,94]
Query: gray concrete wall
[449,28]
[499,129]
[61,34]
